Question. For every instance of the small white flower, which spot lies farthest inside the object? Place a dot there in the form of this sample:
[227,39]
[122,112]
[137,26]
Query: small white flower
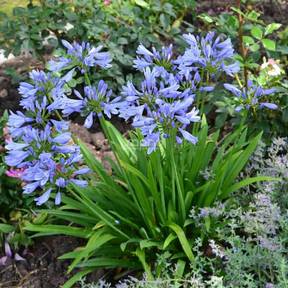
[271,66]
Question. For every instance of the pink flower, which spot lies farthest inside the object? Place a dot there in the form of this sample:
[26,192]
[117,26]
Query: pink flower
[15,173]
[107,2]
[6,134]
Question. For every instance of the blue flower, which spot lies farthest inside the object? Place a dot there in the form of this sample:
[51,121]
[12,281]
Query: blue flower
[252,97]
[43,198]
[30,187]
[45,155]
[18,119]
[95,103]
[209,53]
[16,157]
[151,141]
[81,56]
[161,61]
[159,109]
[44,86]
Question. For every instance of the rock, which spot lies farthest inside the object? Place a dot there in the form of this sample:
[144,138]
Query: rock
[3,93]
[81,132]
[98,139]
[108,155]
[3,58]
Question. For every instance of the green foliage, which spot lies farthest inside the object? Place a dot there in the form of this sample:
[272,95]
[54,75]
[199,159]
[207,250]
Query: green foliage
[119,25]
[144,206]
[243,242]
[26,30]
[13,206]
[256,40]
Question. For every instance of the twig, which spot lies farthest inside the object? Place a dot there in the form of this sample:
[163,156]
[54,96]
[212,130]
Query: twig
[7,268]
[242,49]
[23,279]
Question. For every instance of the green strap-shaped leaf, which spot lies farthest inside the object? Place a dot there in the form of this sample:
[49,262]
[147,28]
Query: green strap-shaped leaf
[183,241]
[247,182]
[141,255]
[77,277]
[59,230]
[5,228]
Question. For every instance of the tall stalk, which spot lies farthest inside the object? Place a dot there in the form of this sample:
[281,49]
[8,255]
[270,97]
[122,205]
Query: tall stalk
[243,50]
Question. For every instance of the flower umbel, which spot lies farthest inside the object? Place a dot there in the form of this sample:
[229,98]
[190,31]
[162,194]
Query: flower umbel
[40,148]
[81,56]
[159,110]
[95,102]
[253,97]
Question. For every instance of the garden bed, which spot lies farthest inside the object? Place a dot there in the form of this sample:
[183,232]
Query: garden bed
[41,266]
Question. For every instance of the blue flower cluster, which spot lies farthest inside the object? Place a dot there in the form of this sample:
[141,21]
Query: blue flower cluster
[161,61]
[208,53]
[95,103]
[251,97]
[41,145]
[162,106]
[159,109]
[81,56]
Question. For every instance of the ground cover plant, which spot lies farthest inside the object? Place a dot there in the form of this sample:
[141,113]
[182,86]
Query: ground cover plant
[194,194]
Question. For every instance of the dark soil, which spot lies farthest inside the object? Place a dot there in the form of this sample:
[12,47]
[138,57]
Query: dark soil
[41,269]
[9,96]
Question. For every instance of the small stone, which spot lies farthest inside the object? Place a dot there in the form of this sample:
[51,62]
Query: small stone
[108,155]
[81,132]
[98,139]
[3,93]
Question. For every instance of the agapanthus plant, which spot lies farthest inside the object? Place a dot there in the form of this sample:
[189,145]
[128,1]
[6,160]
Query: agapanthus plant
[143,208]
[159,110]
[81,56]
[252,97]
[41,147]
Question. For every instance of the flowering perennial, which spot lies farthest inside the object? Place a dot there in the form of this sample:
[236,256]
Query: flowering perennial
[159,110]
[96,102]
[41,147]
[209,53]
[162,106]
[251,98]
[81,56]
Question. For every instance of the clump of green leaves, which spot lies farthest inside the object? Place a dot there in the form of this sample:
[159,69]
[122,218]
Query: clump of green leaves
[143,207]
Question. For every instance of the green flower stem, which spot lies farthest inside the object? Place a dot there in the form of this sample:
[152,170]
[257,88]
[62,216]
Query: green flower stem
[86,78]
[177,189]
